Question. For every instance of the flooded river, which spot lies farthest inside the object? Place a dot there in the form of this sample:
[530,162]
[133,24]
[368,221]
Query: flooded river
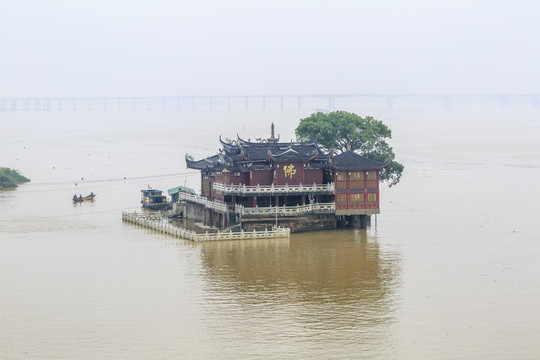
[450,269]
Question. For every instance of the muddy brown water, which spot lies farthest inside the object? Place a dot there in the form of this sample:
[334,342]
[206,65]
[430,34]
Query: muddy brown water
[450,269]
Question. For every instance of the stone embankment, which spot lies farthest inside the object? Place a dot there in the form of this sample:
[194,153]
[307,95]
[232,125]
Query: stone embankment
[156,223]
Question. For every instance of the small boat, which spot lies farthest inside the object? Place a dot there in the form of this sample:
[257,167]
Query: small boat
[153,199]
[85,198]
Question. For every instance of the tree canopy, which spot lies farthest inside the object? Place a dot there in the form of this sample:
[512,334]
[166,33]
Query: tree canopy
[341,131]
[10,178]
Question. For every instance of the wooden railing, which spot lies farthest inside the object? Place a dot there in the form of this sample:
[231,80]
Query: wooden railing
[217,205]
[286,210]
[273,189]
[157,224]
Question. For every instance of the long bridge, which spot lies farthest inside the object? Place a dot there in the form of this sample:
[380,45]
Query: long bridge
[255,102]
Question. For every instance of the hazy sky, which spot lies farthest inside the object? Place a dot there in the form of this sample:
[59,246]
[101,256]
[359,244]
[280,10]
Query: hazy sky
[143,48]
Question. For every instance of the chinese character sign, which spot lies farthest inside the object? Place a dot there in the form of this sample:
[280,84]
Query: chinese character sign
[289,170]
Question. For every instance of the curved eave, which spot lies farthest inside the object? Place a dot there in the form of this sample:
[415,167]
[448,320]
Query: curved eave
[233,149]
[300,143]
[204,164]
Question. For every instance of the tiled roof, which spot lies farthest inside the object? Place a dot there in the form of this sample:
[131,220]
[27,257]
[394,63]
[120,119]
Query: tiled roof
[229,148]
[291,154]
[287,151]
[207,163]
[245,155]
[351,160]
[232,162]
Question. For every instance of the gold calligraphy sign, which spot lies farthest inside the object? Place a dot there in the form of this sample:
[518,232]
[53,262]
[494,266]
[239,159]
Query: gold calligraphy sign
[289,170]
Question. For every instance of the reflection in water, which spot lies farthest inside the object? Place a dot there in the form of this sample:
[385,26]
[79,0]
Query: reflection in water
[335,286]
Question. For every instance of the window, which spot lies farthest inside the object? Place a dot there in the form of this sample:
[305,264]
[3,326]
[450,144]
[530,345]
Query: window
[357,198]
[341,198]
[341,176]
[372,197]
[357,175]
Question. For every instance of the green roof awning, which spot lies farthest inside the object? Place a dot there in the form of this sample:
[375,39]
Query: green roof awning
[177,189]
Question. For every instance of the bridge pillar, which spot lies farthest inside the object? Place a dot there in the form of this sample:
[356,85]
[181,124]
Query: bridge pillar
[331,102]
[389,103]
[447,100]
[59,105]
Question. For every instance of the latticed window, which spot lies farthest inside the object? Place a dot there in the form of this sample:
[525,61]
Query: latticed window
[371,175]
[356,198]
[357,175]
[341,198]
[341,176]
[372,197]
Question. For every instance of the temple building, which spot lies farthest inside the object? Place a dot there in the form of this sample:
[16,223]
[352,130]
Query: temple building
[294,183]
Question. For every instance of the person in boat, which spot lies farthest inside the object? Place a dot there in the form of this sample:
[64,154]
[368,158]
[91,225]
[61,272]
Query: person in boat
[80,196]
[92,193]
[75,197]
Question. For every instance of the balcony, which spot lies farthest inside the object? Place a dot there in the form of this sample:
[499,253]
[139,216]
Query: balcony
[301,189]
[298,210]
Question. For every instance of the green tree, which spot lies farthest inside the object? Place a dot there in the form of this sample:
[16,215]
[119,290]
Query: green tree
[341,130]
[10,178]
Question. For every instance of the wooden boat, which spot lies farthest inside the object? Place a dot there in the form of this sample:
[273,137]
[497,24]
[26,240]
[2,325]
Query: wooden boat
[76,198]
[89,197]
[154,199]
